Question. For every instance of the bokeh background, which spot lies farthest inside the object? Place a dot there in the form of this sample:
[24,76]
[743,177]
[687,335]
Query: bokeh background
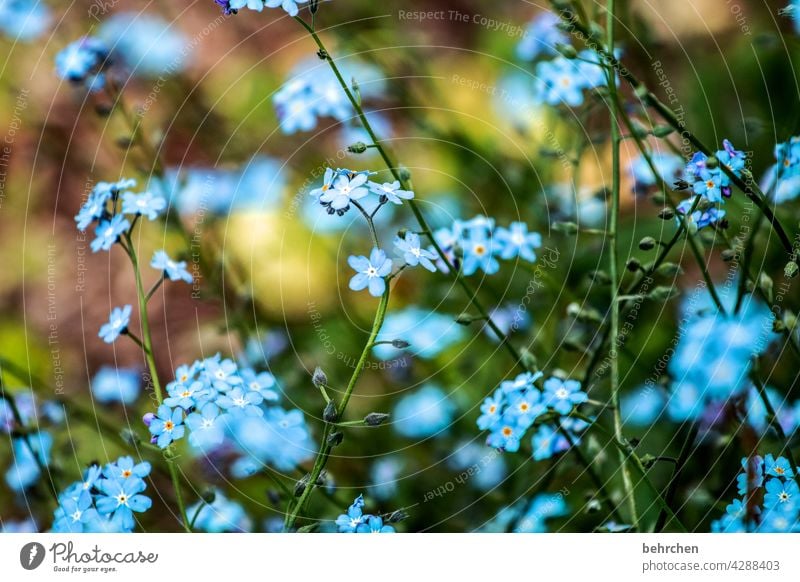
[452,100]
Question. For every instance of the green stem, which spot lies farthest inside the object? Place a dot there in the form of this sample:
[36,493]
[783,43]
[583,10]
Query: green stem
[612,269]
[147,349]
[325,449]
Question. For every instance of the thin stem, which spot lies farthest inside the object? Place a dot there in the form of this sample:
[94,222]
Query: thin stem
[680,464]
[147,348]
[325,448]
[612,269]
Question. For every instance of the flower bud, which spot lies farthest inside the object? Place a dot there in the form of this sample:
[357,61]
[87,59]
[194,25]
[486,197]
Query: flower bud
[633,265]
[319,379]
[357,148]
[666,214]
[790,270]
[335,439]
[375,418]
[647,243]
[400,344]
[330,414]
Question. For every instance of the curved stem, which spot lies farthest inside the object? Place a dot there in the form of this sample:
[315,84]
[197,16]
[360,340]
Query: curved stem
[325,448]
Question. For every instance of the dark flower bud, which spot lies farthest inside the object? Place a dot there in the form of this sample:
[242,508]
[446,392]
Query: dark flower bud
[130,436]
[322,54]
[319,378]
[400,344]
[681,185]
[647,243]
[404,173]
[323,475]
[301,485]
[375,418]
[124,142]
[357,148]
[335,439]
[209,495]
[330,414]
[712,162]
[666,214]
[728,255]
[633,265]
[103,109]
[313,6]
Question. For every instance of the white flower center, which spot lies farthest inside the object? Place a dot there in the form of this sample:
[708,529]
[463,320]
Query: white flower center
[77,515]
[371,272]
[562,393]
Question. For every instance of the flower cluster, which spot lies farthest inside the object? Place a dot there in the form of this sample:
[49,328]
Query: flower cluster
[220,515]
[106,499]
[233,6]
[341,188]
[476,244]
[542,36]
[712,359]
[563,80]
[83,62]
[517,404]
[313,92]
[529,516]
[356,521]
[221,405]
[710,185]
[773,480]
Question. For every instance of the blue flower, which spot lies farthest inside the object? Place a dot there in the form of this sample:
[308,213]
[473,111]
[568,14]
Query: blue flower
[506,434]
[479,252]
[82,62]
[642,407]
[74,514]
[704,215]
[175,270]
[345,188]
[240,401]
[262,383]
[222,374]
[147,44]
[412,252]
[779,467]
[521,383]
[125,468]
[221,515]
[25,470]
[147,204]
[116,385]
[279,438]
[560,81]
[753,477]
[349,521]
[784,495]
[541,37]
[120,498]
[563,395]
[108,232]
[370,272]
[543,507]
[187,395]
[485,466]
[525,407]
[117,324]
[167,426]
[547,442]
[424,413]
[516,241]
[24,20]
[95,205]
[491,411]
[391,190]
[206,427]
[383,477]
[374,524]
